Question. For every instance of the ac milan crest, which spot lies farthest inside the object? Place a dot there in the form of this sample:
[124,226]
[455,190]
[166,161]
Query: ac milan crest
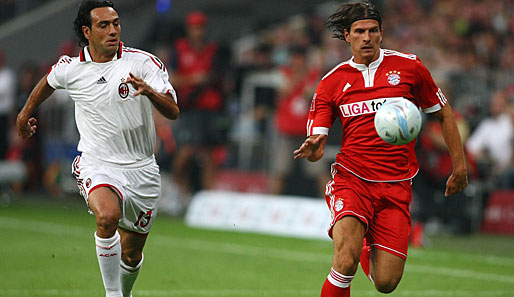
[88,183]
[123,90]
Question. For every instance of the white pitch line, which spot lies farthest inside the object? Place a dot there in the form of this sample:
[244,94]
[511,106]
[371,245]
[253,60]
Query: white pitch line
[465,257]
[245,250]
[256,292]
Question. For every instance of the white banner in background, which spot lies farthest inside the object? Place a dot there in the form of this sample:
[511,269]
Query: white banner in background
[270,214]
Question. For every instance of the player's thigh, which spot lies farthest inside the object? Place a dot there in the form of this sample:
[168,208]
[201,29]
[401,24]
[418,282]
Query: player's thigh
[347,233]
[391,224]
[141,199]
[104,203]
[387,270]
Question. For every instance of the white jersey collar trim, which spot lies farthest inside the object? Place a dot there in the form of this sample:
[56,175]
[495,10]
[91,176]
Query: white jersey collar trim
[372,65]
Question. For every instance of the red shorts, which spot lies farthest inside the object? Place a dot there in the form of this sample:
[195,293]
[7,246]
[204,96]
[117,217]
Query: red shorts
[382,206]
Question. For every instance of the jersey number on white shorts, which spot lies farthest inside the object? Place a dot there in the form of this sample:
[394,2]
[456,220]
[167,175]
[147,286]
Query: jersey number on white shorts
[140,220]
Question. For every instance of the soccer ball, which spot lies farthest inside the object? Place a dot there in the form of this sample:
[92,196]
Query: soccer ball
[398,121]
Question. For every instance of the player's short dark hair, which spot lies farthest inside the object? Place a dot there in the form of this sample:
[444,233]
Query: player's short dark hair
[84,17]
[348,13]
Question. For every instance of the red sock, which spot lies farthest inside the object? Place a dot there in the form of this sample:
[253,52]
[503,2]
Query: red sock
[416,239]
[365,254]
[336,285]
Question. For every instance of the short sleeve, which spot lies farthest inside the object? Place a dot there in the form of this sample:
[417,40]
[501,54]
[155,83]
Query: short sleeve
[57,75]
[156,76]
[321,115]
[428,96]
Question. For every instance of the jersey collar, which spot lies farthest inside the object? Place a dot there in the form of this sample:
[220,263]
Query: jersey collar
[372,65]
[85,56]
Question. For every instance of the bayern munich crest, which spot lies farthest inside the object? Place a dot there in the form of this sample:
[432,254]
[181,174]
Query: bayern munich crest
[393,77]
[339,205]
[123,90]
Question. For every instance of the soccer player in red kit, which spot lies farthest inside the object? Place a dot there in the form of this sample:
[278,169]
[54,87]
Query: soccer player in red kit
[370,190]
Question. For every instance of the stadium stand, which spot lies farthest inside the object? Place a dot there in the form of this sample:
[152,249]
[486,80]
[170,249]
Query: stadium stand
[467,45]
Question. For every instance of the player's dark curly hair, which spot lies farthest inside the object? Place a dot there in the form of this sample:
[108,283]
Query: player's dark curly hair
[84,17]
[348,13]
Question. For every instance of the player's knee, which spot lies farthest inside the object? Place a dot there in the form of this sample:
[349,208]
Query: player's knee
[386,285]
[107,222]
[344,261]
[131,259]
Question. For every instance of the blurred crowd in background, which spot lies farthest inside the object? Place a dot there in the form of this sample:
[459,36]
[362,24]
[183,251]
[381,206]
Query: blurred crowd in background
[244,104]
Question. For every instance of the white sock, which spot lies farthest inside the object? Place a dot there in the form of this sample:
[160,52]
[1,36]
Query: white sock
[128,276]
[108,252]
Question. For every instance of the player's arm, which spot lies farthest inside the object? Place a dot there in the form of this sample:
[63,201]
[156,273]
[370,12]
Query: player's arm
[163,102]
[25,124]
[458,180]
[312,148]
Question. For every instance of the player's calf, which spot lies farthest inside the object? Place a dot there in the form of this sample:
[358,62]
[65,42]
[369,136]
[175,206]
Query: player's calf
[365,261]
[386,279]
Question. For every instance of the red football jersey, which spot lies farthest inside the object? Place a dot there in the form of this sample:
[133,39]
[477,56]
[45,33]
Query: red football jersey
[353,92]
[193,61]
[292,109]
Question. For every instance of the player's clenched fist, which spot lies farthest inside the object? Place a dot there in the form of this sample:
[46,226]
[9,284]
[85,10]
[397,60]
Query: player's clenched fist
[26,128]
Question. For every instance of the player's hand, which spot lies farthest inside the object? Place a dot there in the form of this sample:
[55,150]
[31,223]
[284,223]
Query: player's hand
[457,181]
[142,88]
[26,128]
[310,148]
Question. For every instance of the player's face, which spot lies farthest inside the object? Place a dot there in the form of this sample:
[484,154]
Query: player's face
[196,33]
[364,37]
[104,34]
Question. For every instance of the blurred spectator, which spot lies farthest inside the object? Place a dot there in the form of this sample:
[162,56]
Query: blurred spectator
[490,143]
[165,145]
[197,76]
[506,180]
[60,136]
[295,95]
[59,140]
[29,151]
[435,166]
[7,9]
[467,45]
[7,102]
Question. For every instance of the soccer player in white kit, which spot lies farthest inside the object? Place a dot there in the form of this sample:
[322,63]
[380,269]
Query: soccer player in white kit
[114,88]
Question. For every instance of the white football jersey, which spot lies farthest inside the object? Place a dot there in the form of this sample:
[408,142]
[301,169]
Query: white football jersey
[114,125]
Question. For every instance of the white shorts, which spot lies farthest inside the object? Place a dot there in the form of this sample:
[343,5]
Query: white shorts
[138,187]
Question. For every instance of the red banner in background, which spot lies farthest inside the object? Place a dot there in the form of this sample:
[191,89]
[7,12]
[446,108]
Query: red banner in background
[499,213]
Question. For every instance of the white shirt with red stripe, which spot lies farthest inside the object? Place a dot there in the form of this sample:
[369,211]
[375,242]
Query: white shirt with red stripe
[353,92]
[114,125]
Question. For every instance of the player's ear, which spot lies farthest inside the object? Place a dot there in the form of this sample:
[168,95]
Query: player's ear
[86,31]
[346,35]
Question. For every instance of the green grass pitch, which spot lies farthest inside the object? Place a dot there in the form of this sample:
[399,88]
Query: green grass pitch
[47,249]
